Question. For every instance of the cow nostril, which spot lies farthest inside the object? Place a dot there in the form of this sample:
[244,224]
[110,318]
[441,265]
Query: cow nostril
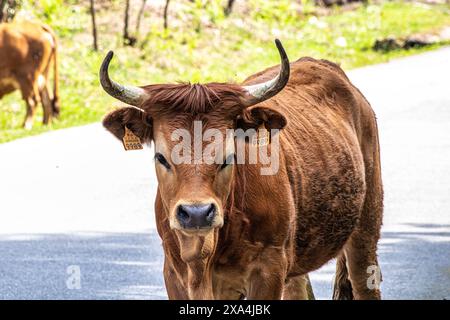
[182,214]
[211,212]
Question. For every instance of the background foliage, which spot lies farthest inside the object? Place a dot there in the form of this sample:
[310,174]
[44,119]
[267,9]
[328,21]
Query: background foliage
[202,44]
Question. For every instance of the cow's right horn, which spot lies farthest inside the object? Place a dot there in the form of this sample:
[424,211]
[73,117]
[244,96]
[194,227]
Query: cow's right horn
[257,93]
[128,94]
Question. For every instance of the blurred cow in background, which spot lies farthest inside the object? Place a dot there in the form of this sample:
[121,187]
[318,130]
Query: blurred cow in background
[27,51]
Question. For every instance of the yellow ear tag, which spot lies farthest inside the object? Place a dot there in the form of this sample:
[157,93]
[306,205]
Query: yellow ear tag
[131,141]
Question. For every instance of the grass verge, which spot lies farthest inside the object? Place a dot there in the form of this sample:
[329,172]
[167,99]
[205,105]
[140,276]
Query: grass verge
[203,45]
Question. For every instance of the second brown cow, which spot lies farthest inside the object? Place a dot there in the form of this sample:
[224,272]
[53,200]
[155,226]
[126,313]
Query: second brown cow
[28,50]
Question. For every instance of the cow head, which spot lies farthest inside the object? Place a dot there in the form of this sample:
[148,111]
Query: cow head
[194,187]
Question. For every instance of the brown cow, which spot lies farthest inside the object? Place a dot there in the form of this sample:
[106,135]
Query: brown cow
[230,232]
[27,51]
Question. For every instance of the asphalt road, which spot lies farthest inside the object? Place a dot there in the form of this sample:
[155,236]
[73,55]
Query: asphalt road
[74,200]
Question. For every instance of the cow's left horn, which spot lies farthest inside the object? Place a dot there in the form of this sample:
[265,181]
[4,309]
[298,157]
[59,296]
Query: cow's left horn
[128,94]
[262,91]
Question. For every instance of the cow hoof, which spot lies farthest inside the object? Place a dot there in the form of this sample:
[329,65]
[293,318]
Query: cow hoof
[28,126]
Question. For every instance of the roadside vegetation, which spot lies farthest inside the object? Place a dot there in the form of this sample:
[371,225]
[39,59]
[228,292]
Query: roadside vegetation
[201,44]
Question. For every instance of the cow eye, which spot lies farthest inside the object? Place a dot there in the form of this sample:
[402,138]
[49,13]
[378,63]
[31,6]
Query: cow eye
[162,160]
[229,160]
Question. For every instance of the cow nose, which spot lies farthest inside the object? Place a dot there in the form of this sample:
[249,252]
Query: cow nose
[196,216]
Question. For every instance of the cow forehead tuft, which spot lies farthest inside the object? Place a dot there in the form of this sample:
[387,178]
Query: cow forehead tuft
[193,99]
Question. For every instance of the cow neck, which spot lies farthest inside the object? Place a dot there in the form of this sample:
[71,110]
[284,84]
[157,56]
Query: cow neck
[198,252]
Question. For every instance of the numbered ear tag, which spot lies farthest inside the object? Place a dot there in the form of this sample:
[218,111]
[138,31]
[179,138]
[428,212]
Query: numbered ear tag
[262,137]
[131,141]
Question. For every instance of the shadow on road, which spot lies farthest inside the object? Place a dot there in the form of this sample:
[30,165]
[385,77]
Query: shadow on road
[112,266]
[415,264]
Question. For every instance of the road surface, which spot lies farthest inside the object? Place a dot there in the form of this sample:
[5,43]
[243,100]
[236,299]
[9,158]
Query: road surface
[72,200]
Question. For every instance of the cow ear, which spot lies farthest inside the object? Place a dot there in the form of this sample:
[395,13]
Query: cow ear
[253,118]
[135,120]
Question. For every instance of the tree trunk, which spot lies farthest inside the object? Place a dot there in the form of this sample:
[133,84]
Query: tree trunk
[2,7]
[127,39]
[139,17]
[94,25]
[229,7]
[166,10]
[8,9]
[125,22]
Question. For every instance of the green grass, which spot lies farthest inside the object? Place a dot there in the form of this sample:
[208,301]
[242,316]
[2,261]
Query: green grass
[202,45]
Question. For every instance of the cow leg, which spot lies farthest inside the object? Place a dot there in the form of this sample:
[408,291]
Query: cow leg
[298,288]
[363,266]
[174,287]
[267,281]
[266,286]
[30,93]
[361,249]
[31,103]
[342,289]
[46,105]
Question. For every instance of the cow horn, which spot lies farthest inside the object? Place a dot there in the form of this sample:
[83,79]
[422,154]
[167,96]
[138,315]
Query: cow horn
[128,94]
[262,91]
